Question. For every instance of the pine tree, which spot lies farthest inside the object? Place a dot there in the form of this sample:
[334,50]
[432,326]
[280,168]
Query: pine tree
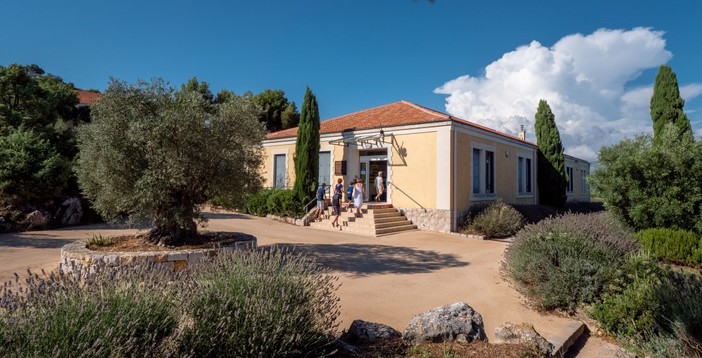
[667,105]
[551,162]
[307,148]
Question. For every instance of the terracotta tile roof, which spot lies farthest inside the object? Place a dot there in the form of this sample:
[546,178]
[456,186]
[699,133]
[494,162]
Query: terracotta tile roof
[390,115]
[87,98]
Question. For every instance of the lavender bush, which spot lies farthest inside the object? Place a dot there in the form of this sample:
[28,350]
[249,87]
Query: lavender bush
[564,261]
[120,312]
[246,303]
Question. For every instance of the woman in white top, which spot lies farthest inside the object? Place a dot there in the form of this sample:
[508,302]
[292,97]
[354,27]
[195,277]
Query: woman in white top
[357,195]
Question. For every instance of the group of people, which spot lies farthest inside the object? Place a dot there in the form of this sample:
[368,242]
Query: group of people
[354,196]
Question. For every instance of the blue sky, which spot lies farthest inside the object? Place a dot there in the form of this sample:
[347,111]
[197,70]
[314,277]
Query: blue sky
[485,61]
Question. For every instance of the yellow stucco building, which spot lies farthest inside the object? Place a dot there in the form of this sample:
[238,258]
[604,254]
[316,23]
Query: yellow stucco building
[435,165]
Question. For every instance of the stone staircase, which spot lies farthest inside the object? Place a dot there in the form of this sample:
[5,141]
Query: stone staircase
[374,220]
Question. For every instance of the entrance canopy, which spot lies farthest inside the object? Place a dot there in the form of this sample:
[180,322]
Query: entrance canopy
[369,141]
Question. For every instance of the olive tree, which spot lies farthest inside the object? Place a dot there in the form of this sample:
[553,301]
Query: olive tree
[157,154]
[647,185]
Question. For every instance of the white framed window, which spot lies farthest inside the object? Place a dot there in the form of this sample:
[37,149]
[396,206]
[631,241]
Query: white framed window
[583,181]
[324,175]
[483,171]
[525,175]
[279,171]
[570,177]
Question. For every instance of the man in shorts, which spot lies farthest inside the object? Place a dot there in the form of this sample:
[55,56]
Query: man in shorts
[379,186]
[321,192]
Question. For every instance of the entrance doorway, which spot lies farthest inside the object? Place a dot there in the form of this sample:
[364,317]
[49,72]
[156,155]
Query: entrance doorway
[373,162]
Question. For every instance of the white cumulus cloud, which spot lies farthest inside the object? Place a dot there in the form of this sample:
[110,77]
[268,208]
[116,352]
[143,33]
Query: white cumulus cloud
[585,80]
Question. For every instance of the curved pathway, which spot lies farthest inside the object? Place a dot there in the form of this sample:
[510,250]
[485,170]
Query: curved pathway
[386,280]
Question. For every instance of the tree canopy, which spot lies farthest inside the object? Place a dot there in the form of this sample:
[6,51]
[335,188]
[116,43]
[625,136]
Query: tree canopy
[37,116]
[155,153]
[649,186]
[667,105]
[551,162]
[307,148]
[277,112]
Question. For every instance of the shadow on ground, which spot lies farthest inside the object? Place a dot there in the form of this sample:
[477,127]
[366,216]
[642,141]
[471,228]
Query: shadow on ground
[216,215]
[365,260]
[36,241]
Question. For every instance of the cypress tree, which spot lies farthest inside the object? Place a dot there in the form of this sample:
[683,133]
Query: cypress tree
[667,105]
[551,162]
[307,148]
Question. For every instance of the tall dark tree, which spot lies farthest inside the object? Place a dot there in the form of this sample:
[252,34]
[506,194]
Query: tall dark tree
[277,111]
[37,142]
[203,88]
[551,174]
[667,105]
[33,99]
[290,117]
[307,148]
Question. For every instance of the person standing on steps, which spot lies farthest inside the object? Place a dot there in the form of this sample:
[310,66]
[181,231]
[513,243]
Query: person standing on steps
[349,192]
[321,191]
[358,193]
[379,186]
[336,204]
[339,187]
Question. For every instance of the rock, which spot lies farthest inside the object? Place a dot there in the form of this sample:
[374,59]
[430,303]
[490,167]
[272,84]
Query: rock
[5,225]
[524,333]
[369,332]
[344,349]
[70,212]
[455,322]
[36,219]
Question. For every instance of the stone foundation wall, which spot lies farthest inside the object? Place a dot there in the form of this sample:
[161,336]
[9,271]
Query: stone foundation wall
[75,257]
[429,219]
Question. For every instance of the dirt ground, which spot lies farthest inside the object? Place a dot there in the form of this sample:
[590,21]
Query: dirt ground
[386,280]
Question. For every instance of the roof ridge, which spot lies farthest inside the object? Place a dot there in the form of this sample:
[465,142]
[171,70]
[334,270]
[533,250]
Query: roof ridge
[361,111]
[426,110]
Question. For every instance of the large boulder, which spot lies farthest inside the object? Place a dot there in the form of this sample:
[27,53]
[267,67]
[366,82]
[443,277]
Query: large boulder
[455,322]
[523,333]
[70,212]
[362,332]
[36,220]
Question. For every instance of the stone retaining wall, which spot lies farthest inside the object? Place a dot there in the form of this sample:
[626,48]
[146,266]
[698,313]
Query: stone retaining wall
[429,219]
[76,257]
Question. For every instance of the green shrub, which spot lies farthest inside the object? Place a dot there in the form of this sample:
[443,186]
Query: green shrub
[120,313]
[680,300]
[265,303]
[284,203]
[627,309]
[497,220]
[652,309]
[650,186]
[258,203]
[567,260]
[98,241]
[678,246]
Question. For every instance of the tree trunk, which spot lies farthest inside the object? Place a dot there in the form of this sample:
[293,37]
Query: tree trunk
[174,230]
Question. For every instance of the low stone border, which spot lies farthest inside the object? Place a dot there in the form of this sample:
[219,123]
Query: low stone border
[287,220]
[76,257]
[474,237]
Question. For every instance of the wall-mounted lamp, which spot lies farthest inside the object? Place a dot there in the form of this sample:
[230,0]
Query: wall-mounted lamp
[382,136]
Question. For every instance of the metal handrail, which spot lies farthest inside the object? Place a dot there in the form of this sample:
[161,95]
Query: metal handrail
[407,195]
[327,190]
